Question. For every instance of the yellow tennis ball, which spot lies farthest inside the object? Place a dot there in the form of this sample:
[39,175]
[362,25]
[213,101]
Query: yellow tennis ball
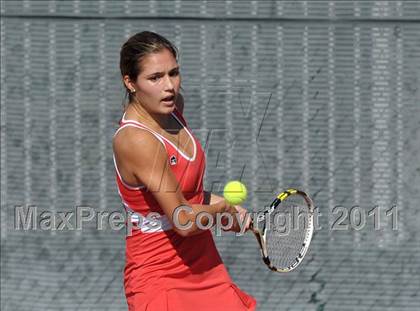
[235,192]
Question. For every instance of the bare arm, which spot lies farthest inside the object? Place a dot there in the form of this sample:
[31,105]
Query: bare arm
[180,103]
[211,198]
[140,153]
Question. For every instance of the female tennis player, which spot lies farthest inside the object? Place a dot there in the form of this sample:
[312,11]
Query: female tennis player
[171,264]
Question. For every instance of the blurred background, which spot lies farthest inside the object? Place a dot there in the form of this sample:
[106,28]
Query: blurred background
[320,95]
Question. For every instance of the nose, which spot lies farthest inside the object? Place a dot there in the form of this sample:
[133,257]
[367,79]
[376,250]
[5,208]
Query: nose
[169,84]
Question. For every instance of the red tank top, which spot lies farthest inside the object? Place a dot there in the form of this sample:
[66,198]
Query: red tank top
[165,271]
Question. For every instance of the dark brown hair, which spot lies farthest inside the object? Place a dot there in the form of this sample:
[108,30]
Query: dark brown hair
[136,48]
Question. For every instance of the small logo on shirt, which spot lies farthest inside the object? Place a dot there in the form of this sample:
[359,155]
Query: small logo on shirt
[172,160]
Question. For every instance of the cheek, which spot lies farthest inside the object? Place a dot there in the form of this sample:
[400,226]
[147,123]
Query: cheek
[177,83]
[150,90]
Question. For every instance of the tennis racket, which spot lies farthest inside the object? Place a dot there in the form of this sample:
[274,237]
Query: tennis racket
[284,230]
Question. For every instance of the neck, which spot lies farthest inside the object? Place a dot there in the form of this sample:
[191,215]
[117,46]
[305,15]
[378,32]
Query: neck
[138,113]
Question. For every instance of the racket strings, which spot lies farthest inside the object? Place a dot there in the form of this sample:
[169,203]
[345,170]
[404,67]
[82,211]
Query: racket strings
[286,231]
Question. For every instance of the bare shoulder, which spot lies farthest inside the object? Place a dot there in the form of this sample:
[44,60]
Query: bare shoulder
[141,159]
[135,144]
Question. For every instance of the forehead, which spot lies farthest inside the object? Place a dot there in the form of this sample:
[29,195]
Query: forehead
[158,62]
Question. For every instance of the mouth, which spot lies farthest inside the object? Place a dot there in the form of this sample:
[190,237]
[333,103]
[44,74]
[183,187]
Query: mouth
[169,99]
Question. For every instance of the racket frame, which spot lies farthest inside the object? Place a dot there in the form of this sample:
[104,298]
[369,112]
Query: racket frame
[261,234]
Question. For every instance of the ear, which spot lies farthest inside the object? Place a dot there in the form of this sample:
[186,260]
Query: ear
[128,84]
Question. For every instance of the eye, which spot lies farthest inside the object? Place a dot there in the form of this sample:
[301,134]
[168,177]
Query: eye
[174,73]
[154,78]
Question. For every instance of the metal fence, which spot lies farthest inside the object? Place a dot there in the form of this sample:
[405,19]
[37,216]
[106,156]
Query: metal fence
[320,95]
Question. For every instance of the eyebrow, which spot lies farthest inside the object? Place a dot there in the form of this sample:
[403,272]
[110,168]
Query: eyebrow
[160,72]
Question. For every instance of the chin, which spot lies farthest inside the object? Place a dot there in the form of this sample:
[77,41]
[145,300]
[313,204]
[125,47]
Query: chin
[167,109]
